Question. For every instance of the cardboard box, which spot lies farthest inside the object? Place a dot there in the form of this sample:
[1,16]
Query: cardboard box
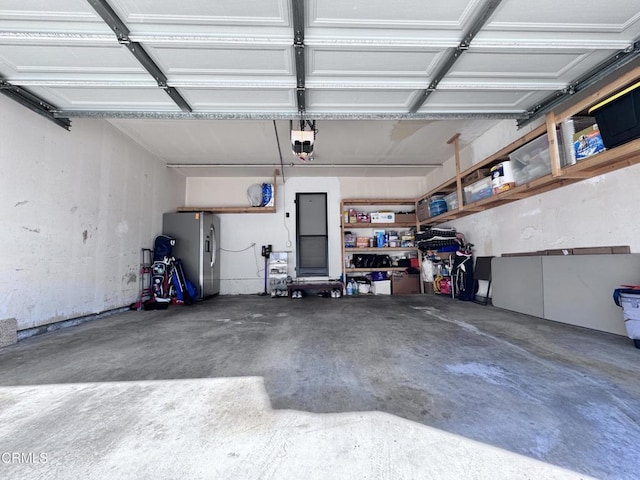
[423,210]
[428,288]
[587,142]
[362,242]
[405,284]
[383,217]
[601,250]
[560,251]
[619,249]
[592,251]
[476,175]
[405,218]
[353,216]
[381,287]
[362,217]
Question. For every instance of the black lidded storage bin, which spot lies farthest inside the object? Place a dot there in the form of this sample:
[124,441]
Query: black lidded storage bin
[618,117]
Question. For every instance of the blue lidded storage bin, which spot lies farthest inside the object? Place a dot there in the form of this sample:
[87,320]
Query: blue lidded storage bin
[437,206]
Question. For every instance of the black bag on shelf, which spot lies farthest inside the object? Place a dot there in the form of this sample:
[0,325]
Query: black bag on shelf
[382,261]
[371,260]
[363,260]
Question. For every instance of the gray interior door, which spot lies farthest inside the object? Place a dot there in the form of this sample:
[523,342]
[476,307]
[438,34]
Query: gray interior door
[312,252]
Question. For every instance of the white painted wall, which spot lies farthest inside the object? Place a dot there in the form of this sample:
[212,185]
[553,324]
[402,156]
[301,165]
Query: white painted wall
[388,187]
[595,212]
[220,191]
[242,235]
[76,209]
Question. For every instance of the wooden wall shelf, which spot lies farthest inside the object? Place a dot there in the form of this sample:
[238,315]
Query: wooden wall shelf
[379,201]
[610,160]
[379,249]
[239,209]
[229,209]
[376,269]
[347,226]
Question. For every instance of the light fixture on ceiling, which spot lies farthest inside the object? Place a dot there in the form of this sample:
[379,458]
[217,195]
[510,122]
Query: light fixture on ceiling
[302,141]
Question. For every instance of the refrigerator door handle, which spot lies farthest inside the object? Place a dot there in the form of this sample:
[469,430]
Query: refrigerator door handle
[214,245]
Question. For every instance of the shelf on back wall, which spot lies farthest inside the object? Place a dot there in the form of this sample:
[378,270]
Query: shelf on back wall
[376,269]
[347,226]
[378,201]
[239,209]
[379,249]
[408,204]
[408,220]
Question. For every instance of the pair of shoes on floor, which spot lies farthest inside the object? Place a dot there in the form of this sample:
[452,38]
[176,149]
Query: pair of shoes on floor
[335,293]
[296,294]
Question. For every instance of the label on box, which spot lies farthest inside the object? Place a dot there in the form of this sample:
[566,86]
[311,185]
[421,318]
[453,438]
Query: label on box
[587,142]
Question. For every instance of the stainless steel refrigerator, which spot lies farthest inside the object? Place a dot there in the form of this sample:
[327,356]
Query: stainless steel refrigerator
[197,236]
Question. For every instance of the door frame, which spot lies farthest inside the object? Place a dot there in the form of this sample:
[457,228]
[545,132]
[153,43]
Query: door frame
[312,271]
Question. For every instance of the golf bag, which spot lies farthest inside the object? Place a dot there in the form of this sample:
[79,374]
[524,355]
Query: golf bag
[162,247]
[160,269]
[160,280]
[463,275]
[168,281]
[183,290]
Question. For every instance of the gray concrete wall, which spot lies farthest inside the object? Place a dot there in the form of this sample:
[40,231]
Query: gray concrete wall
[76,209]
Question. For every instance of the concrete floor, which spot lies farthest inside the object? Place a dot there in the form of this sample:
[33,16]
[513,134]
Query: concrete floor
[365,387]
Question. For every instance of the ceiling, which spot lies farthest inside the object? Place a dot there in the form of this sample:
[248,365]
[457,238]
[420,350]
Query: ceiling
[211,86]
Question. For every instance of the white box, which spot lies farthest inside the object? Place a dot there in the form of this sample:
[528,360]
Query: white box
[383,217]
[381,287]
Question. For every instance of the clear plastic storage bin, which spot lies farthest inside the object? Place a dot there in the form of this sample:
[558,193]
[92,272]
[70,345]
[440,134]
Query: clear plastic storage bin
[452,201]
[531,161]
[478,190]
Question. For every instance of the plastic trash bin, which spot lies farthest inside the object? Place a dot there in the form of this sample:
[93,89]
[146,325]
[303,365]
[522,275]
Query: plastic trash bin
[629,300]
